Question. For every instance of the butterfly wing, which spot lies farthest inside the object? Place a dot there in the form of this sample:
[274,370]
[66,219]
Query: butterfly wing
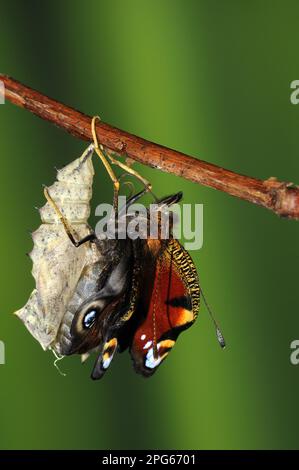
[116,337]
[102,314]
[168,306]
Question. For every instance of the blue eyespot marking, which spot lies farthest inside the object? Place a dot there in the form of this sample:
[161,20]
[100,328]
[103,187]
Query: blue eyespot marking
[89,319]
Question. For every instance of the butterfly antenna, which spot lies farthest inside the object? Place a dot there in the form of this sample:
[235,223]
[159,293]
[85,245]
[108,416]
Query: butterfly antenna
[155,345]
[219,334]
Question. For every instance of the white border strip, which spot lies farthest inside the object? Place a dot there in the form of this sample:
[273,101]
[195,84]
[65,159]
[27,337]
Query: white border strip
[2,92]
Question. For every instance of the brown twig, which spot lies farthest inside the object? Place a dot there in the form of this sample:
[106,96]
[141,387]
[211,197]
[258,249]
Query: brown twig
[281,198]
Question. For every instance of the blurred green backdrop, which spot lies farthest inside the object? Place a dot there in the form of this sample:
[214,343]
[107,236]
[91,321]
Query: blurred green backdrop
[212,79]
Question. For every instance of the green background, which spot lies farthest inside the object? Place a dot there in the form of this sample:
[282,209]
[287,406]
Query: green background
[209,78]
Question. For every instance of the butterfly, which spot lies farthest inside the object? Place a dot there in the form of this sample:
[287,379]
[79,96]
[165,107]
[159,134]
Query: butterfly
[148,296]
[97,294]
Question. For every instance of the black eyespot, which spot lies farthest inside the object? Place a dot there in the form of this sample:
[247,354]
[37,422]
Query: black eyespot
[89,319]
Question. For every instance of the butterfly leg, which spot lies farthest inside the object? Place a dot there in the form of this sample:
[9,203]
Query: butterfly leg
[67,227]
[100,152]
[104,156]
[129,170]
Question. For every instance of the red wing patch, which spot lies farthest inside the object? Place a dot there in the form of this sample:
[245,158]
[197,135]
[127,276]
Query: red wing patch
[168,306]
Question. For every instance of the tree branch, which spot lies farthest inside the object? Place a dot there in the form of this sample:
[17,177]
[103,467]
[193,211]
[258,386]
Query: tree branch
[282,198]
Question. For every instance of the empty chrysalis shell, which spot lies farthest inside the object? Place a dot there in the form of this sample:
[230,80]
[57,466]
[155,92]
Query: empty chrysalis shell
[57,264]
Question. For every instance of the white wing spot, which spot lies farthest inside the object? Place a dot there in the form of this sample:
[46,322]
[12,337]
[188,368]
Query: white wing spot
[107,362]
[147,345]
[150,361]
